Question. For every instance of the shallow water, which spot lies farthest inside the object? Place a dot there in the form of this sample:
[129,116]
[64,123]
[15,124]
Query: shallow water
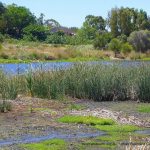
[51,134]
[143,132]
[22,68]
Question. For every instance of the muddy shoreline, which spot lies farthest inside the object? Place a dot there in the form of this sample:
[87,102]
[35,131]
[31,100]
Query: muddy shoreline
[34,120]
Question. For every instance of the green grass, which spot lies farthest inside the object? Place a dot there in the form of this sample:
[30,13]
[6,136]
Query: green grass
[89,120]
[55,144]
[144,108]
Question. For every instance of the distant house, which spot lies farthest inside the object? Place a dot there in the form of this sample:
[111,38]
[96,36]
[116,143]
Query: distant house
[67,31]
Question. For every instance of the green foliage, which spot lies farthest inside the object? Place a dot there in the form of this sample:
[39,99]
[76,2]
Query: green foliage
[122,38]
[34,32]
[126,48]
[56,39]
[54,144]
[89,120]
[17,18]
[126,20]
[140,40]
[102,40]
[113,22]
[115,45]
[92,26]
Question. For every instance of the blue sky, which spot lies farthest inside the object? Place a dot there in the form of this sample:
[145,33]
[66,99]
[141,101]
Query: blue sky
[72,12]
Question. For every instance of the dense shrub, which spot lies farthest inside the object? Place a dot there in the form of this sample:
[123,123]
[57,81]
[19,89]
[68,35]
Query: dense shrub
[101,41]
[56,39]
[140,40]
[115,45]
[126,48]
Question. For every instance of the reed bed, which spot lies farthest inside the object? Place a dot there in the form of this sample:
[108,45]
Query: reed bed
[98,82]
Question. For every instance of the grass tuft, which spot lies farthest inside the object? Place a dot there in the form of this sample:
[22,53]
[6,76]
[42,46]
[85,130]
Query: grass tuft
[54,144]
[89,120]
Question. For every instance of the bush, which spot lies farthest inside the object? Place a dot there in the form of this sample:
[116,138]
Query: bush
[122,38]
[56,39]
[102,40]
[140,40]
[126,48]
[115,45]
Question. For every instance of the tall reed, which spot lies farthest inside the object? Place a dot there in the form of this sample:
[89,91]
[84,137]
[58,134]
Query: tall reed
[91,81]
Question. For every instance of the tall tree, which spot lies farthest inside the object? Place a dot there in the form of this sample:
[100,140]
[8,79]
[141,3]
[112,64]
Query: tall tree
[17,18]
[92,26]
[113,22]
[2,8]
[2,19]
[40,20]
[126,20]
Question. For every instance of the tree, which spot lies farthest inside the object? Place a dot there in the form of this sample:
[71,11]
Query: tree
[17,18]
[92,26]
[2,8]
[2,19]
[126,20]
[113,22]
[40,20]
[102,40]
[140,40]
[51,23]
[35,32]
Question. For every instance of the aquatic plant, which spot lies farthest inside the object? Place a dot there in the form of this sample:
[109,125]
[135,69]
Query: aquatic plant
[99,82]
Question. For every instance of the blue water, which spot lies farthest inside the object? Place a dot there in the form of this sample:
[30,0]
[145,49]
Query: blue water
[24,67]
[52,135]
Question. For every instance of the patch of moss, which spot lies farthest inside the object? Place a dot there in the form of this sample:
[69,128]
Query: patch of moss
[89,120]
[55,144]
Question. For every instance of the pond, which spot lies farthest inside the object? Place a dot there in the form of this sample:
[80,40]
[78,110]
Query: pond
[25,67]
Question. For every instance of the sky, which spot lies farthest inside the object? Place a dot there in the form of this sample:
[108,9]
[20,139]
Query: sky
[72,13]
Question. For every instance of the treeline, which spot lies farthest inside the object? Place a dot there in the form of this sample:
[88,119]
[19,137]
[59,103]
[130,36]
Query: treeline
[125,29]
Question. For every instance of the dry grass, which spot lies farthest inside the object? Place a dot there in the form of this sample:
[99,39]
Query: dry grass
[40,51]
